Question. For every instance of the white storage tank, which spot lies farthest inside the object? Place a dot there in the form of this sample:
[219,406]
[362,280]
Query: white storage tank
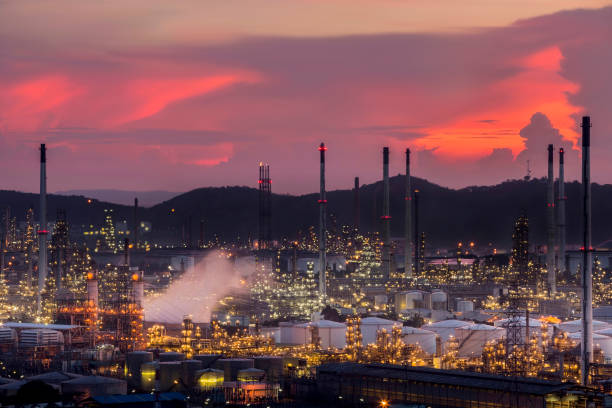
[423,338]
[272,333]
[465,306]
[573,326]
[446,328]
[332,334]
[371,325]
[473,338]
[606,332]
[413,299]
[300,334]
[40,337]
[292,333]
[439,300]
[599,340]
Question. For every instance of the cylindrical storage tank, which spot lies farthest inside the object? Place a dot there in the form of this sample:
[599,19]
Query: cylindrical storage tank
[147,376]
[94,385]
[439,300]
[423,338]
[209,378]
[285,332]
[600,341]
[300,334]
[133,362]
[170,375]
[251,375]
[272,333]
[231,366]
[446,328]
[606,332]
[573,326]
[371,325]
[272,365]
[332,334]
[381,300]
[414,299]
[465,306]
[171,356]
[189,368]
[207,359]
[473,338]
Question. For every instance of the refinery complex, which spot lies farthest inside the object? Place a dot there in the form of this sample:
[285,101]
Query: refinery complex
[335,316]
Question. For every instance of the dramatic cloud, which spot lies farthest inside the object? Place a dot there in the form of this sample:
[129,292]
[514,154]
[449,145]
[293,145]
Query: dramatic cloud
[177,107]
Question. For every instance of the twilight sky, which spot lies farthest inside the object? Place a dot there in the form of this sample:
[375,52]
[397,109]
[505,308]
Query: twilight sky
[163,95]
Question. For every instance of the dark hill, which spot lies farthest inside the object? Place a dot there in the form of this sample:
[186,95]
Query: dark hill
[480,214]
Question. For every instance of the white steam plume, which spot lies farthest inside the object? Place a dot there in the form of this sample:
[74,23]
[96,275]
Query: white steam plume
[196,292]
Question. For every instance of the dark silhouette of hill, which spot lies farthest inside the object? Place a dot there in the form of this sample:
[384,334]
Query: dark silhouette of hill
[480,214]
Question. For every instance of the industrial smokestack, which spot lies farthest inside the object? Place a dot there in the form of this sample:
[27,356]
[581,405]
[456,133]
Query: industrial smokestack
[42,232]
[561,214]
[126,252]
[587,262]
[356,205]
[550,214]
[417,254]
[322,227]
[408,221]
[135,228]
[386,218]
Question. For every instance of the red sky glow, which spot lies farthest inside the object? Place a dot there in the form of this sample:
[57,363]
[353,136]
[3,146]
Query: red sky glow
[162,96]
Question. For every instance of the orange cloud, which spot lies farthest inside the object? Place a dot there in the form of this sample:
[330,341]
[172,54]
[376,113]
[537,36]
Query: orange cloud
[31,103]
[150,96]
[509,103]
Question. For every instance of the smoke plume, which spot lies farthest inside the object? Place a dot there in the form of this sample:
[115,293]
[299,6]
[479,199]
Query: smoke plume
[196,292]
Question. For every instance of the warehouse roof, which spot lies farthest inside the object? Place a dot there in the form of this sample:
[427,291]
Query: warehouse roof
[449,377]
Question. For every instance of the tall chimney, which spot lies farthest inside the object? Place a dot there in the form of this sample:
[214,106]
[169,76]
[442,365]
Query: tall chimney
[126,252]
[356,205]
[42,232]
[561,213]
[386,218]
[417,255]
[550,214]
[587,261]
[322,227]
[135,227]
[408,221]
